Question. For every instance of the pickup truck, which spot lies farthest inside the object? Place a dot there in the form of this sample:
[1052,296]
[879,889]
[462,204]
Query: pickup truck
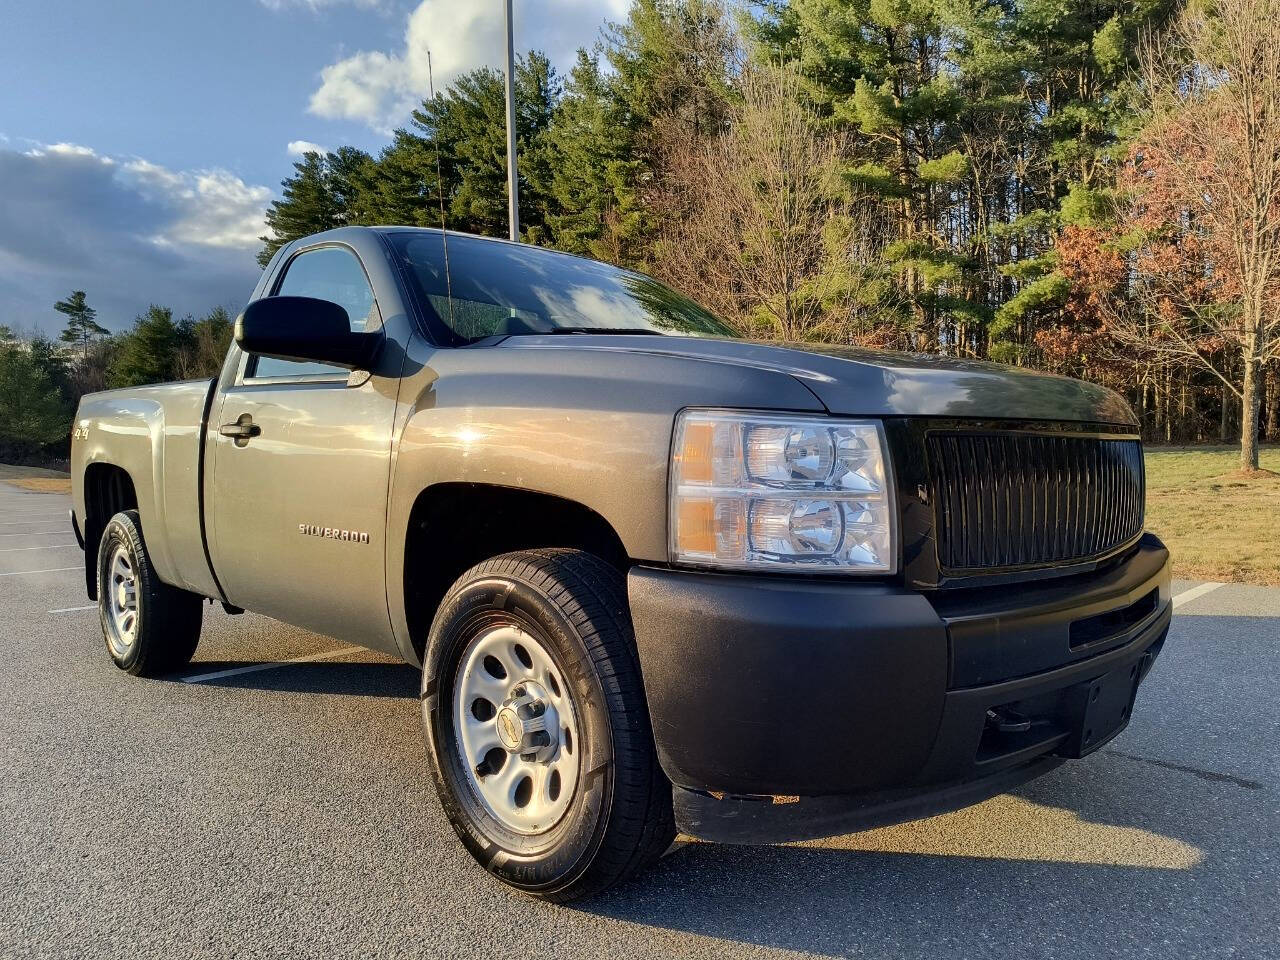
[656,578]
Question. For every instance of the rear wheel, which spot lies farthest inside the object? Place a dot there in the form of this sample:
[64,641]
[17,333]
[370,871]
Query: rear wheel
[150,627]
[536,724]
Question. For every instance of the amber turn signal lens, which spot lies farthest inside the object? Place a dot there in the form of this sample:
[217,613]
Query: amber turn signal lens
[697,527]
[695,461]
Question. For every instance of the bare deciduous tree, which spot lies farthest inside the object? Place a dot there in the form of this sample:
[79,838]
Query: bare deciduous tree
[1206,200]
[757,214]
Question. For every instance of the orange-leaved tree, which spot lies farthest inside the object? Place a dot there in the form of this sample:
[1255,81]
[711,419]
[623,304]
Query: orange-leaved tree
[1201,218]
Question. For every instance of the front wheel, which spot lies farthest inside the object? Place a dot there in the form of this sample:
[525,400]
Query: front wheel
[150,627]
[536,724]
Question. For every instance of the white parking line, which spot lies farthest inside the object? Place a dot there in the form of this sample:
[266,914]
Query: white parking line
[1186,596]
[87,606]
[254,668]
[50,546]
[10,523]
[36,533]
[23,573]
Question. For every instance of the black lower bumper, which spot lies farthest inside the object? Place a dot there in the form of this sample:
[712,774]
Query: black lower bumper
[729,818]
[789,709]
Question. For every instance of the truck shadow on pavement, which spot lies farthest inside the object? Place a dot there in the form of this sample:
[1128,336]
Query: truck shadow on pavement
[1165,843]
[396,680]
[1111,858]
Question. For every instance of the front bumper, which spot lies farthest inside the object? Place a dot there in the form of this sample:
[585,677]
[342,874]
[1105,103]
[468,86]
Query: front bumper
[859,704]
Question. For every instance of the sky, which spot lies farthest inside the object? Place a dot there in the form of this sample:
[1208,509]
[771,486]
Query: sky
[141,142]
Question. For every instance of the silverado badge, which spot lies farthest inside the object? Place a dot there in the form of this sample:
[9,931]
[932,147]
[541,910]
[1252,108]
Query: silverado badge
[332,533]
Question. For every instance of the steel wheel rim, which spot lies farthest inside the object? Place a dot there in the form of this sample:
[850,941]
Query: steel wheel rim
[529,787]
[121,590]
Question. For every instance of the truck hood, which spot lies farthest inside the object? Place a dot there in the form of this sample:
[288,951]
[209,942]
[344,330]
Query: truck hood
[856,382]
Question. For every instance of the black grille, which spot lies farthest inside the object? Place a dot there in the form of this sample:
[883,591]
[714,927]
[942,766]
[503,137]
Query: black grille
[1011,500]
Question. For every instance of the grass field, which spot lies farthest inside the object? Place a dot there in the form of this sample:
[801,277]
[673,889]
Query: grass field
[36,478]
[1218,523]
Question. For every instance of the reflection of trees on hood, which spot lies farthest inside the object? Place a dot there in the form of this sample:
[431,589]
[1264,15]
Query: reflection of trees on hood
[1036,397]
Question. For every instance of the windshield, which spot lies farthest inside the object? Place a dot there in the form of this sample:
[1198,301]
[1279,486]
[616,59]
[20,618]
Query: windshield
[510,289]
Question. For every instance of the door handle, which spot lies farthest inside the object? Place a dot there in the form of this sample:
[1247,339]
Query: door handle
[242,431]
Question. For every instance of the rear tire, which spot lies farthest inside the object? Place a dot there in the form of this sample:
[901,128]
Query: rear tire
[150,628]
[557,622]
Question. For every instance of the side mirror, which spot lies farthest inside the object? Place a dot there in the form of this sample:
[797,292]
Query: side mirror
[304,328]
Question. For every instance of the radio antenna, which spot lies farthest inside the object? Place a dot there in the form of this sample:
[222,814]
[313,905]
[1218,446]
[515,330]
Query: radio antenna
[444,233]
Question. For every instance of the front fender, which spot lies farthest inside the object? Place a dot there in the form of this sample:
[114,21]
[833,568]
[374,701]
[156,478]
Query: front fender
[590,427]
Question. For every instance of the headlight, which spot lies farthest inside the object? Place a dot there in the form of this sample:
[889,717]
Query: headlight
[765,491]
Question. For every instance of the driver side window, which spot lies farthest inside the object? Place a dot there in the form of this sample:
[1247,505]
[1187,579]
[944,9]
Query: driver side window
[327,273]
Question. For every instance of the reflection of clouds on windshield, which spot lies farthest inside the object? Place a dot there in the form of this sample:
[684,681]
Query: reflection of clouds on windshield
[579,306]
[530,259]
[491,284]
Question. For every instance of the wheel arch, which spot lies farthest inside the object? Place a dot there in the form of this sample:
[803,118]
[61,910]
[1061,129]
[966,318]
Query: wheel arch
[108,489]
[453,526]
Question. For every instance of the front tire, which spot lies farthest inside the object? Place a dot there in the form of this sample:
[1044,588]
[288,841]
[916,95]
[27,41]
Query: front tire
[150,627]
[536,725]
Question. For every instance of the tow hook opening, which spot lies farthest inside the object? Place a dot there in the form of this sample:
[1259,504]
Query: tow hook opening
[1006,720]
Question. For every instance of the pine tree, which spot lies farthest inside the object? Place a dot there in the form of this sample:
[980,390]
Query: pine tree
[467,123]
[82,326]
[404,188]
[307,206]
[1079,60]
[669,85]
[32,412]
[212,336]
[596,208]
[201,345]
[673,59]
[53,364]
[880,70]
[325,191]
[348,171]
[148,352]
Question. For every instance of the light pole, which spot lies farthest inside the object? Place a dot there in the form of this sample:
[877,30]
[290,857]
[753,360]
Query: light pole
[513,198]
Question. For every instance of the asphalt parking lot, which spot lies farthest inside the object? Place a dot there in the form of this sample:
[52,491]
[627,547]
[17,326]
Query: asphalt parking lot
[234,810]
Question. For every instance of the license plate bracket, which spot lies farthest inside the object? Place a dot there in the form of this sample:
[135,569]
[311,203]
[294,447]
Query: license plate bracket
[1100,709]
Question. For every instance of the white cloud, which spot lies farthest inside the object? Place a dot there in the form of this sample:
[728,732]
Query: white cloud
[67,150]
[382,88]
[71,149]
[368,86]
[211,208]
[126,230]
[300,148]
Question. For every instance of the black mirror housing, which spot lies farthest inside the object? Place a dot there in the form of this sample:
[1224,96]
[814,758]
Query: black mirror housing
[305,329]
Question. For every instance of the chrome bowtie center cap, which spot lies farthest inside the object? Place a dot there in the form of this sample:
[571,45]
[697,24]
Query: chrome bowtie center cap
[510,729]
[526,723]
